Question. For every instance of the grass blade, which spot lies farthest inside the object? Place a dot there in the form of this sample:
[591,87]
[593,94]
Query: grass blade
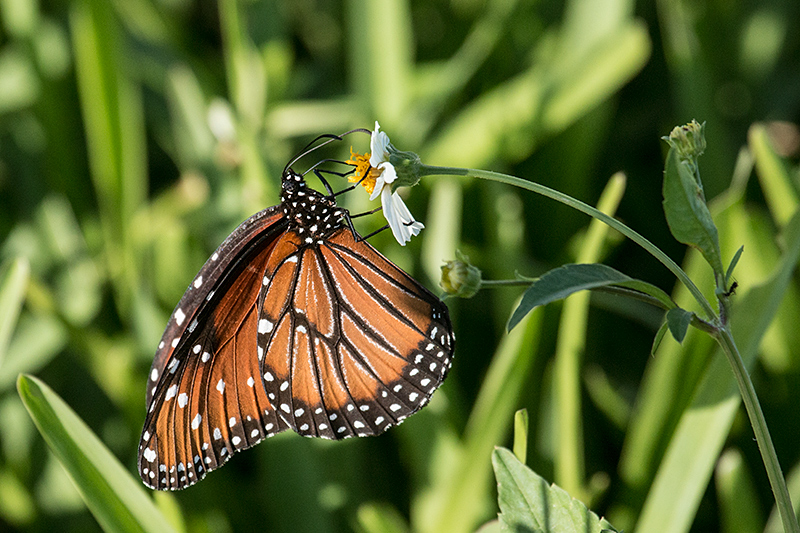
[696,444]
[570,470]
[13,284]
[115,498]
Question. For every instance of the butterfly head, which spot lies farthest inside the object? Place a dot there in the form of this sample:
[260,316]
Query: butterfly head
[311,214]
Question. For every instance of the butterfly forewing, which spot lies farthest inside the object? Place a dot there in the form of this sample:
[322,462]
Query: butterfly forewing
[207,400]
[354,345]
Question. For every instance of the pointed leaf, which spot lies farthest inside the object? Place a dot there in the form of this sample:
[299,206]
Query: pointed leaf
[115,498]
[521,434]
[659,337]
[560,282]
[13,284]
[687,213]
[732,266]
[678,321]
[528,503]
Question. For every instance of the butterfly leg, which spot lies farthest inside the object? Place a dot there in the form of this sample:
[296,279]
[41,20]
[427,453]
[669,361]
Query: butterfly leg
[331,194]
[364,238]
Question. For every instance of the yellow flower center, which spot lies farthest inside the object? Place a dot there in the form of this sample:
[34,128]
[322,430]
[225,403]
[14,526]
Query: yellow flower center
[364,173]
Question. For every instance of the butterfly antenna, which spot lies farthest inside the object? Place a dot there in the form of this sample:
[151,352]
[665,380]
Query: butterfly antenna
[315,144]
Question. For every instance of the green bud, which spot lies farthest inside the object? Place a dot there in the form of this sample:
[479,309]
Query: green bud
[689,141]
[459,278]
[407,165]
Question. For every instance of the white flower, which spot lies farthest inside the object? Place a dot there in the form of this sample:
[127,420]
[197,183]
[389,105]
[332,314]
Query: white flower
[401,222]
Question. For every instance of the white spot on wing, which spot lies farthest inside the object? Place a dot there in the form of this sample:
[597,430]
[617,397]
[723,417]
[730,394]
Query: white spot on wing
[171,392]
[150,455]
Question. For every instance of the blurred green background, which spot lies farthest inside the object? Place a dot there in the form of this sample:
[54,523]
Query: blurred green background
[136,134]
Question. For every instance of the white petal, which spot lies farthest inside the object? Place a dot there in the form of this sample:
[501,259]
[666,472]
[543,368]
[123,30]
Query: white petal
[386,177]
[406,217]
[376,191]
[389,173]
[401,222]
[396,225]
[378,144]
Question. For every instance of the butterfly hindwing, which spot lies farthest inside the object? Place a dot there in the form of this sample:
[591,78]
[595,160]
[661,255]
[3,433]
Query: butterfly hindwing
[354,345]
[207,400]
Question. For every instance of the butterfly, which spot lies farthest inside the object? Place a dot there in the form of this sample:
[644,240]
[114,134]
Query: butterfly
[296,322]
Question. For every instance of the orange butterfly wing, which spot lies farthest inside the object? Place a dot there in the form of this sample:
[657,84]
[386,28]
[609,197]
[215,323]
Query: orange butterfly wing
[352,344]
[208,401]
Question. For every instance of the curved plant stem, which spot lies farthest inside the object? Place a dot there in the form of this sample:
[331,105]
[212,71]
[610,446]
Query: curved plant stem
[716,327]
[756,415]
[589,210]
[492,283]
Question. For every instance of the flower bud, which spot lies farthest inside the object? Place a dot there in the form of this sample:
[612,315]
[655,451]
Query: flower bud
[688,140]
[459,278]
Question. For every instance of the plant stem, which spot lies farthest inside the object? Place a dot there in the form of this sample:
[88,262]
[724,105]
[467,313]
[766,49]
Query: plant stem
[426,170]
[492,283]
[756,415]
[719,329]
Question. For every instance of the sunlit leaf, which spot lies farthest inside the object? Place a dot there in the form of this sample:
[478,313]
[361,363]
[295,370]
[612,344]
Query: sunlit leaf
[528,503]
[13,283]
[117,500]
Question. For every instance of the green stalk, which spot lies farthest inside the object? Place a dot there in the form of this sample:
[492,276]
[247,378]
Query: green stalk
[763,438]
[714,327]
[427,170]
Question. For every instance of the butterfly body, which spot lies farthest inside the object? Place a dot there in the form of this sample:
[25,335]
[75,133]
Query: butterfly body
[294,322]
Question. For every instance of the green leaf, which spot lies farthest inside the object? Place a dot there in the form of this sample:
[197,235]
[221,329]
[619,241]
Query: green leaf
[736,493]
[37,340]
[380,518]
[113,118]
[521,434]
[13,284]
[527,503]
[732,266]
[115,498]
[659,337]
[678,321]
[777,183]
[697,441]
[560,282]
[687,213]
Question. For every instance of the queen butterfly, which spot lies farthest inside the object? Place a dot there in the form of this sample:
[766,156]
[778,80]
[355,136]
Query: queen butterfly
[294,322]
